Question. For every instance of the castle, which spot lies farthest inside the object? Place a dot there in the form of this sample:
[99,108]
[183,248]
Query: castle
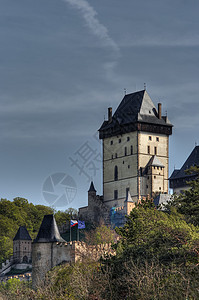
[135,158]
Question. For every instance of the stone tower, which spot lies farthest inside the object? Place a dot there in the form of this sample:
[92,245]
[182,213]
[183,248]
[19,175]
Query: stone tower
[45,253]
[22,246]
[135,150]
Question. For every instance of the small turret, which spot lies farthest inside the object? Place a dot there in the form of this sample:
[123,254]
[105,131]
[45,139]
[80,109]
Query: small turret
[92,188]
[22,246]
[129,204]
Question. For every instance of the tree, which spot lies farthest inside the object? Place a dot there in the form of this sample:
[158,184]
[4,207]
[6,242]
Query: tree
[187,203]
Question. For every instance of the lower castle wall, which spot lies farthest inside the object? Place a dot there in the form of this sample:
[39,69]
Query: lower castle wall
[45,256]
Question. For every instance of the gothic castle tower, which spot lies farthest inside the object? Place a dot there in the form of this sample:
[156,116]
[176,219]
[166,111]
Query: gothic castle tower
[135,150]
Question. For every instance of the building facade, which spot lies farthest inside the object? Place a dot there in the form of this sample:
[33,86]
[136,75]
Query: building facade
[135,150]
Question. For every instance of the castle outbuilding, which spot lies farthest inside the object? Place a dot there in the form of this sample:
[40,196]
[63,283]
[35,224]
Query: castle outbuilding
[179,178]
[22,246]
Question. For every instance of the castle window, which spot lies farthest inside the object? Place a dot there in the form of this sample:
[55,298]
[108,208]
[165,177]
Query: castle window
[158,168]
[119,140]
[116,173]
[111,142]
[148,149]
[155,150]
[115,155]
[157,139]
[128,138]
[123,162]
[131,149]
[160,188]
[161,168]
[127,191]
[147,177]
[147,186]
[125,151]
[154,177]
[128,166]
[115,194]
[150,138]
[112,156]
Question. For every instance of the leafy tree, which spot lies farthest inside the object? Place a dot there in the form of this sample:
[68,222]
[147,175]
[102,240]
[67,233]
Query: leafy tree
[187,203]
[153,234]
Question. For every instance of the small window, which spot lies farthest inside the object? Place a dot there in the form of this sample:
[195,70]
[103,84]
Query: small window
[116,194]
[154,177]
[148,149]
[112,156]
[125,151]
[161,168]
[150,138]
[123,162]
[128,166]
[127,191]
[160,188]
[116,173]
[157,139]
[147,177]
[154,167]
[155,150]
[119,140]
[111,142]
[147,186]
[115,155]
[131,149]
[128,138]
[158,168]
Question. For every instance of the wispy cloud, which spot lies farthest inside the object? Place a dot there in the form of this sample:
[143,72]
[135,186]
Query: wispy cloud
[99,30]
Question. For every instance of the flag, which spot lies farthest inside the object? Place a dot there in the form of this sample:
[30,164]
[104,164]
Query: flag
[73,223]
[81,224]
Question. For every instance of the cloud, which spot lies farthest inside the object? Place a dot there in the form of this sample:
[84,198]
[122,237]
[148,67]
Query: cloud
[99,30]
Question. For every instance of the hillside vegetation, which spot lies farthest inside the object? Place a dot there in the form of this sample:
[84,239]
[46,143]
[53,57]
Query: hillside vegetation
[20,212]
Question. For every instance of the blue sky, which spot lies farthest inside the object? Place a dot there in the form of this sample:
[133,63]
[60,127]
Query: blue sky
[64,62]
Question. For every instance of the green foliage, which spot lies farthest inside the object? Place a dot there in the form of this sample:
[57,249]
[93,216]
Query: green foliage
[187,203]
[150,233]
[18,213]
[100,235]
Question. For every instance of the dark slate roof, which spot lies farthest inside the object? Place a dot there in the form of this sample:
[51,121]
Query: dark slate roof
[22,234]
[48,231]
[136,107]
[192,160]
[92,188]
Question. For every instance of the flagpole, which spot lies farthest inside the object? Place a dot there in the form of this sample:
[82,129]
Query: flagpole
[70,229]
[77,233]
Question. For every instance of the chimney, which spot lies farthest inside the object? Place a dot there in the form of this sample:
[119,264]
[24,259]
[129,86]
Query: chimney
[110,114]
[159,111]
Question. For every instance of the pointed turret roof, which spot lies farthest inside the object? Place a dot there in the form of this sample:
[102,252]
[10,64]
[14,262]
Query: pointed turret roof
[134,108]
[48,231]
[92,188]
[128,197]
[22,234]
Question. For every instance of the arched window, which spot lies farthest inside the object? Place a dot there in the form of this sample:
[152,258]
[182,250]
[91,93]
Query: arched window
[116,173]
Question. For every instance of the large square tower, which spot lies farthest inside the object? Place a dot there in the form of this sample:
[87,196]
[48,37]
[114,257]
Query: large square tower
[135,150]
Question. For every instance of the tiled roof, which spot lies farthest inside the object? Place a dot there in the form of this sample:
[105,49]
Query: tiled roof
[48,231]
[135,107]
[192,160]
[22,234]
